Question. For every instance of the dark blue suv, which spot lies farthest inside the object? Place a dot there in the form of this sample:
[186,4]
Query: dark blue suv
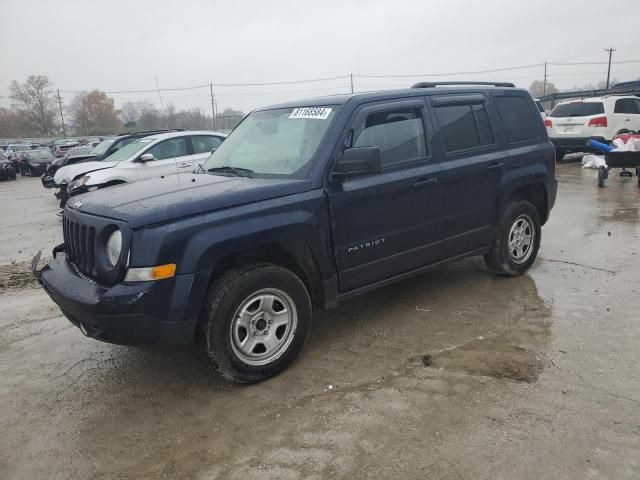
[304,205]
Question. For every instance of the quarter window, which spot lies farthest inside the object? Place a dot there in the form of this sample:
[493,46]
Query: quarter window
[464,126]
[626,105]
[205,143]
[175,147]
[399,134]
[519,120]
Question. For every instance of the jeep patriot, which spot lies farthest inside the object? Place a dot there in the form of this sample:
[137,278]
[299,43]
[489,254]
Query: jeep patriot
[306,204]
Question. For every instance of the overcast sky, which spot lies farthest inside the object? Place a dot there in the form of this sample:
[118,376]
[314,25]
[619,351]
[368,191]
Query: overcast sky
[123,45]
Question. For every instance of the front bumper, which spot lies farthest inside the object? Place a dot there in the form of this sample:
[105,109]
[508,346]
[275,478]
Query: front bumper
[161,312]
[576,144]
[47,181]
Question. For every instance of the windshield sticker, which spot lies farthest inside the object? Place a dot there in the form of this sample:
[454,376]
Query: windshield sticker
[311,112]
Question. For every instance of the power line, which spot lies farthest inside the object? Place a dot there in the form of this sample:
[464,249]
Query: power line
[450,74]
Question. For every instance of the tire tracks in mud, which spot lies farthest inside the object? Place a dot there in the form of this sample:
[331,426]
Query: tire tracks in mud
[16,276]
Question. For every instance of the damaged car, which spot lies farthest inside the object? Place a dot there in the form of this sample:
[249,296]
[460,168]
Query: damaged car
[35,162]
[151,156]
[7,169]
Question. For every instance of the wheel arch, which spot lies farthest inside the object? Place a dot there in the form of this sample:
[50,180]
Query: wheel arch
[534,192]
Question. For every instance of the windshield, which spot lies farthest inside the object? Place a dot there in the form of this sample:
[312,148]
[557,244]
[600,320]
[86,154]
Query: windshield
[577,109]
[102,147]
[129,150]
[39,154]
[78,151]
[278,142]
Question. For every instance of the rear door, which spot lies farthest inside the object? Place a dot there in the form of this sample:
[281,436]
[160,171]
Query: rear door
[472,170]
[165,154]
[626,115]
[201,148]
[388,223]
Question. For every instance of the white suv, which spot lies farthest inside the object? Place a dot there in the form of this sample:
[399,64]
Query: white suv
[148,157]
[570,124]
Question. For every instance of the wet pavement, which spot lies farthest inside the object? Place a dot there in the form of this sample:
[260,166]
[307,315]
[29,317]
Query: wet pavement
[451,375]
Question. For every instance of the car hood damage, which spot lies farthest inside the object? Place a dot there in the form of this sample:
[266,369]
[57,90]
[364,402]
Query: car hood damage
[176,196]
[69,172]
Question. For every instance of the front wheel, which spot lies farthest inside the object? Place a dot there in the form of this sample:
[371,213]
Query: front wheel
[516,241]
[255,321]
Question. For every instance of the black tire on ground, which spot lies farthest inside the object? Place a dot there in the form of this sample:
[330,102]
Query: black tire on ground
[519,219]
[560,155]
[602,176]
[229,305]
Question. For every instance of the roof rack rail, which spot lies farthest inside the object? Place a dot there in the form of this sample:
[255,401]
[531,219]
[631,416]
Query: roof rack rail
[162,130]
[436,84]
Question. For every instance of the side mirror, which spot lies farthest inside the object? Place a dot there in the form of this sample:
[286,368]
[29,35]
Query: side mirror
[357,161]
[145,157]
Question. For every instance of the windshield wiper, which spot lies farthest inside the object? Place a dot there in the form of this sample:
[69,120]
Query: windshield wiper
[240,172]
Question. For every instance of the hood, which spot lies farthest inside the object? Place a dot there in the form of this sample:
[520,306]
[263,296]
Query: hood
[177,196]
[69,172]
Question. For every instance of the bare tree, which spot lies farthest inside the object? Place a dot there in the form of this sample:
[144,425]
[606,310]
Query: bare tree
[34,100]
[130,114]
[537,88]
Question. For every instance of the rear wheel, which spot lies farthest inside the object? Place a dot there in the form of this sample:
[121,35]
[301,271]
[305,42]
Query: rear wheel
[517,239]
[255,321]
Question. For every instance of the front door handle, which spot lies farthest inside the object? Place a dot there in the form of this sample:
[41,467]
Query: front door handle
[425,181]
[495,166]
[184,165]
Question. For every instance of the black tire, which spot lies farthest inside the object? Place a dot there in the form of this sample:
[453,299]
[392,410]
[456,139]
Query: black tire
[602,176]
[220,325]
[560,155]
[499,259]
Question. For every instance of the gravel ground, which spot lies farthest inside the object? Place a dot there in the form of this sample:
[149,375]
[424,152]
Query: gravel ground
[534,377]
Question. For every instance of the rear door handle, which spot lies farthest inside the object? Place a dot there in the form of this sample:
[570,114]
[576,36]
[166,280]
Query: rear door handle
[495,166]
[426,181]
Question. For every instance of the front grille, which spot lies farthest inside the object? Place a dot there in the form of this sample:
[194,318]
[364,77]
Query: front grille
[80,245]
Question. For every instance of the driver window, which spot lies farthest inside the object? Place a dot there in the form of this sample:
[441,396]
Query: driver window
[399,134]
[175,147]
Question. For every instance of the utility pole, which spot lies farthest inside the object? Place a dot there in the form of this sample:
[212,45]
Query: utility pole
[213,108]
[610,50]
[544,84]
[351,78]
[64,132]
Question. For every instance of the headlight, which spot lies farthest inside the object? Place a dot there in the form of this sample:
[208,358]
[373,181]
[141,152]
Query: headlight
[114,247]
[76,184]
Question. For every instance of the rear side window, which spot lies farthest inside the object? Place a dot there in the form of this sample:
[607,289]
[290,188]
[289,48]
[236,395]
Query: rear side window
[578,109]
[517,118]
[627,105]
[205,143]
[464,126]
[399,134]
